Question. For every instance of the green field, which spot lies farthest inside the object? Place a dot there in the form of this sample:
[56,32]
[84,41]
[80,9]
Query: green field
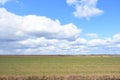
[59,65]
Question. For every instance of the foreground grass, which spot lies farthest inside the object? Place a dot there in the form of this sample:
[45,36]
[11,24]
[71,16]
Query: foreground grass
[105,77]
[59,65]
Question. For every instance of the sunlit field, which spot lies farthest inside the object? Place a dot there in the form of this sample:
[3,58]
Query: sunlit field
[59,65]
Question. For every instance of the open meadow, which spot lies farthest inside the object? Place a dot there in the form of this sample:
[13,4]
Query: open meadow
[60,66]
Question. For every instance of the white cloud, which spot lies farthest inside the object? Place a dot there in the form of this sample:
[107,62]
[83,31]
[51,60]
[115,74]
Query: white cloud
[36,26]
[92,35]
[3,1]
[96,42]
[85,8]
[116,37]
[71,2]
[33,34]
[38,42]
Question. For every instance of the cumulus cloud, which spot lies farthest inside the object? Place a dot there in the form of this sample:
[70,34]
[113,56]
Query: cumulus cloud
[85,8]
[21,27]
[3,1]
[31,34]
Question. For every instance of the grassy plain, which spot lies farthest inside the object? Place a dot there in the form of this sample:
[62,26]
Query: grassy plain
[59,65]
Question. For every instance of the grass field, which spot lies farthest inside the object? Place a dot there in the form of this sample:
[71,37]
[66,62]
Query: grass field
[59,65]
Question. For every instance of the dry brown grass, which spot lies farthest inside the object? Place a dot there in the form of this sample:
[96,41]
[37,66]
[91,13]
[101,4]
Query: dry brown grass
[103,77]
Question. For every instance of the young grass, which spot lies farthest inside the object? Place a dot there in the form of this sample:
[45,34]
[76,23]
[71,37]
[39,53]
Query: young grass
[59,65]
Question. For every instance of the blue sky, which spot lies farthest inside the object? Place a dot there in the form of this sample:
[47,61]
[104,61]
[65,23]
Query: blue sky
[59,27]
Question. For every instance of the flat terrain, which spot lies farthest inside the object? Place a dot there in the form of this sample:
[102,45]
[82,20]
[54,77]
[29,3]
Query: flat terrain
[59,65]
